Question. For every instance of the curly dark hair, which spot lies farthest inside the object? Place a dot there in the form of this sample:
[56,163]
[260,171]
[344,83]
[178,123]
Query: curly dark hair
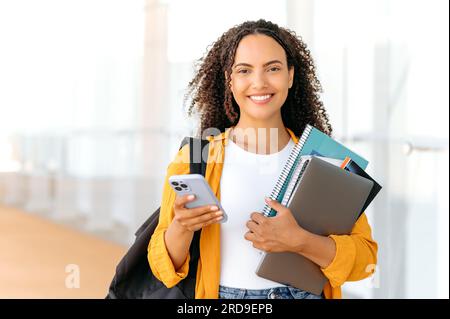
[213,100]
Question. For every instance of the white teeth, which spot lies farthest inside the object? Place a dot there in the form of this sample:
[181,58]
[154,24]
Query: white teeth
[260,97]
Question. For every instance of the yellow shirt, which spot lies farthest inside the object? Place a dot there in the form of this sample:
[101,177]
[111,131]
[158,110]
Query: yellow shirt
[356,254]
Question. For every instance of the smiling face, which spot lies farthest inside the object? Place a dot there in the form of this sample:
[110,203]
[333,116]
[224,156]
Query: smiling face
[260,78]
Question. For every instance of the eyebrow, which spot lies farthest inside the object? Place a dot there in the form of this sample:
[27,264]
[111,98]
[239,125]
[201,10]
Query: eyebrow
[265,64]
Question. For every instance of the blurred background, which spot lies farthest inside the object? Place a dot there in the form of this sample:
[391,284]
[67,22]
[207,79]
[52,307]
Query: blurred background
[91,113]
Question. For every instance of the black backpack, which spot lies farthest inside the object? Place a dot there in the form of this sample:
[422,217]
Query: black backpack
[134,278]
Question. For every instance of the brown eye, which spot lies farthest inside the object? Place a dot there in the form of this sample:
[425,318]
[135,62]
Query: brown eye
[274,69]
[243,71]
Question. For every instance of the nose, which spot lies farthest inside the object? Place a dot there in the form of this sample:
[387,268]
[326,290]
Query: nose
[259,81]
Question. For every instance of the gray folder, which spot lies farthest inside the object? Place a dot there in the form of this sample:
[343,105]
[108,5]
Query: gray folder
[326,201]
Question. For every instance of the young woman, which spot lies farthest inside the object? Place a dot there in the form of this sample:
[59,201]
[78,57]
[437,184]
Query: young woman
[258,89]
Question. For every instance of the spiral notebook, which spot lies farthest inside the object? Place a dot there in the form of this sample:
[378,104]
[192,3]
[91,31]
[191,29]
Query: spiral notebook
[326,200]
[311,142]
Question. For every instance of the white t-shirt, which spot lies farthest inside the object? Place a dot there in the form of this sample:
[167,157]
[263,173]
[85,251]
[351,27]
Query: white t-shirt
[246,179]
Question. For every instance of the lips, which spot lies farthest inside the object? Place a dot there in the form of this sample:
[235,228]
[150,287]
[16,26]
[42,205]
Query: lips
[261,98]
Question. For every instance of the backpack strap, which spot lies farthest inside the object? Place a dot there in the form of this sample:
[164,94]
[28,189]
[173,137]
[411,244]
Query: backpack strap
[198,158]
[198,154]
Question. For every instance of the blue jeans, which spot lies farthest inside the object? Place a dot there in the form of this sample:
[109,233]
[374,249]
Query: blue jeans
[272,293]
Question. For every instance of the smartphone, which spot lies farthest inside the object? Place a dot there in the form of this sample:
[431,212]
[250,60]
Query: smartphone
[197,185]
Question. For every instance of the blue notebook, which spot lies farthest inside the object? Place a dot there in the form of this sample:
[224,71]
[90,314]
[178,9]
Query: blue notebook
[311,142]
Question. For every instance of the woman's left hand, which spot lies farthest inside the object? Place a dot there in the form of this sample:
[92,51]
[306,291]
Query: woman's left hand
[275,234]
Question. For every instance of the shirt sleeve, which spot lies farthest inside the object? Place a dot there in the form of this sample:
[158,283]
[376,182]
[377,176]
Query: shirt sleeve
[356,255]
[158,257]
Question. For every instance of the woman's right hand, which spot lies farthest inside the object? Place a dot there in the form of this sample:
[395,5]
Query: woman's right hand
[193,219]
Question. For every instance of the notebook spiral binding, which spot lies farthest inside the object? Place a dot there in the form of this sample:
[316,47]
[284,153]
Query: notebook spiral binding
[292,162]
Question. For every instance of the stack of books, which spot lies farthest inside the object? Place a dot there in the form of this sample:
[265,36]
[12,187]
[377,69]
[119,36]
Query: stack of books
[325,186]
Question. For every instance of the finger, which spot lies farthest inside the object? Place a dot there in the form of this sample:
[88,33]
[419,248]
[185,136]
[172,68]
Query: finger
[200,218]
[254,237]
[250,236]
[252,226]
[207,222]
[255,241]
[180,201]
[258,218]
[274,204]
[198,211]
